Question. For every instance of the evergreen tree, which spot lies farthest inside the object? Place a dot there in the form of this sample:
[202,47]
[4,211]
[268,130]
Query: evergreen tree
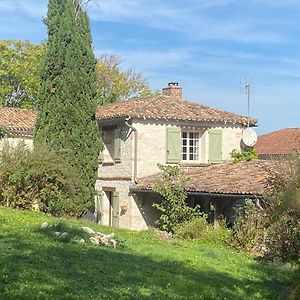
[67,95]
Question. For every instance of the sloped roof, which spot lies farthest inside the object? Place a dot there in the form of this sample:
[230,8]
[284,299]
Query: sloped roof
[167,108]
[17,120]
[244,178]
[283,141]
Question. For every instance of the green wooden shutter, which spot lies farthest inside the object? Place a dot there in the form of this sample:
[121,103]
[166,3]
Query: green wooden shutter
[99,207]
[115,209]
[215,146]
[117,146]
[173,146]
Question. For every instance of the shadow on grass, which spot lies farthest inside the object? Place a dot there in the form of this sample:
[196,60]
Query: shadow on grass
[41,268]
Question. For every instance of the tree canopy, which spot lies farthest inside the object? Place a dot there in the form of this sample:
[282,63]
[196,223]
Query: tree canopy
[117,85]
[20,80]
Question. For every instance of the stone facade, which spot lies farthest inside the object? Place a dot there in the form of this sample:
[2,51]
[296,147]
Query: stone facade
[135,210]
[124,168]
[13,141]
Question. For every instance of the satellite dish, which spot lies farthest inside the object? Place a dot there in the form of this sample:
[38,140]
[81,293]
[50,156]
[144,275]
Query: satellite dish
[249,137]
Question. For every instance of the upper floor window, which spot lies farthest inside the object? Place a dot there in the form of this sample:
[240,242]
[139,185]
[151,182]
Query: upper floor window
[189,145]
[111,137]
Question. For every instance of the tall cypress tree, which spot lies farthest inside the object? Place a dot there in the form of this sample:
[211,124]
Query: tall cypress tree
[67,95]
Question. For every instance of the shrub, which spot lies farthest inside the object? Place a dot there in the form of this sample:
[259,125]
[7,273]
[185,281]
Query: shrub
[38,178]
[173,207]
[283,237]
[247,153]
[199,229]
[250,227]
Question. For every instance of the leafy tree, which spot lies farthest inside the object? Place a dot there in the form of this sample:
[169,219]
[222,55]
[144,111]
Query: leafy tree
[67,95]
[19,76]
[117,85]
[19,79]
[173,207]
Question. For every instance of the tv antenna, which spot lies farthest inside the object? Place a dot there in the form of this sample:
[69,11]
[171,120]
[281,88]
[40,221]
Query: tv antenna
[247,88]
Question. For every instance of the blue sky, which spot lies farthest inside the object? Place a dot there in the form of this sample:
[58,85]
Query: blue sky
[206,46]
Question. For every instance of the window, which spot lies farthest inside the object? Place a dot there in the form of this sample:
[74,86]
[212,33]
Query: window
[111,137]
[190,146]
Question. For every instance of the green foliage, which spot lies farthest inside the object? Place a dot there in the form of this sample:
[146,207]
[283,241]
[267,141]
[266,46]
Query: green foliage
[199,229]
[273,233]
[67,95]
[283,237]
[173,207]
[19,78]
[286,184]
[250,227]
[4,132]
[245,154]
[117,85]
[283,234]
[38,178]
[34,265]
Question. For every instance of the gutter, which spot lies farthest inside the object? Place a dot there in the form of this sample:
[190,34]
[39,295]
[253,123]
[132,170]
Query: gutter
[135,148]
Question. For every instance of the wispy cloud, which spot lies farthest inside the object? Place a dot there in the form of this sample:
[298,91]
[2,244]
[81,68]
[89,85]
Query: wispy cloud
[190,18]
[36,9]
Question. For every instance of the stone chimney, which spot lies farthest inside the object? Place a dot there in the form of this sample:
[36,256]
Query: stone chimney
[173,90]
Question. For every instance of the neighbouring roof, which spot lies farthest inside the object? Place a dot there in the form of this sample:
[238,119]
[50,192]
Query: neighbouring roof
[168,108]
[283,141]
[245,178]
[17,120]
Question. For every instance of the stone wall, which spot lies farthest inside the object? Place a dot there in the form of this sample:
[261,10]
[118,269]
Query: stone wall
[125,167]
[13,141]
[139,212]
[231,139]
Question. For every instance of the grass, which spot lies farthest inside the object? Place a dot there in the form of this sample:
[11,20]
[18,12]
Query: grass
[35,264]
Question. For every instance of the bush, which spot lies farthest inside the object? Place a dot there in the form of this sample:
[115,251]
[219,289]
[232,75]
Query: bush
[248,153]
[250,227]
[38,178]
[173,207]
[283,238]
[199,229]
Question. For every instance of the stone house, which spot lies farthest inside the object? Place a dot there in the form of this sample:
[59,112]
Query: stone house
[19,124]
[142,132]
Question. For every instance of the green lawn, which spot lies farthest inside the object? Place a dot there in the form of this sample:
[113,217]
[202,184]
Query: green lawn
[36,265]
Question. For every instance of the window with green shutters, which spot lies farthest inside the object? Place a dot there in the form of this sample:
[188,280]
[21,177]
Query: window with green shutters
[215,146]
[115,209]
[173,147]
[111,137]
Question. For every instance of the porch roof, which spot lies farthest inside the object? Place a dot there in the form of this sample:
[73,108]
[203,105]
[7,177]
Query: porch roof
[245,178]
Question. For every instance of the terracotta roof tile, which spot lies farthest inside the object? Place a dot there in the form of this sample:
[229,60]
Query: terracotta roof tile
[244,178]
[18,121]
[283,141]
[167,108]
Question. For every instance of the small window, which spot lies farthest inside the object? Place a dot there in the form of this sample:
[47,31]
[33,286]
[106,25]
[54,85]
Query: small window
[109,149]
[111,137]
[190,146]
